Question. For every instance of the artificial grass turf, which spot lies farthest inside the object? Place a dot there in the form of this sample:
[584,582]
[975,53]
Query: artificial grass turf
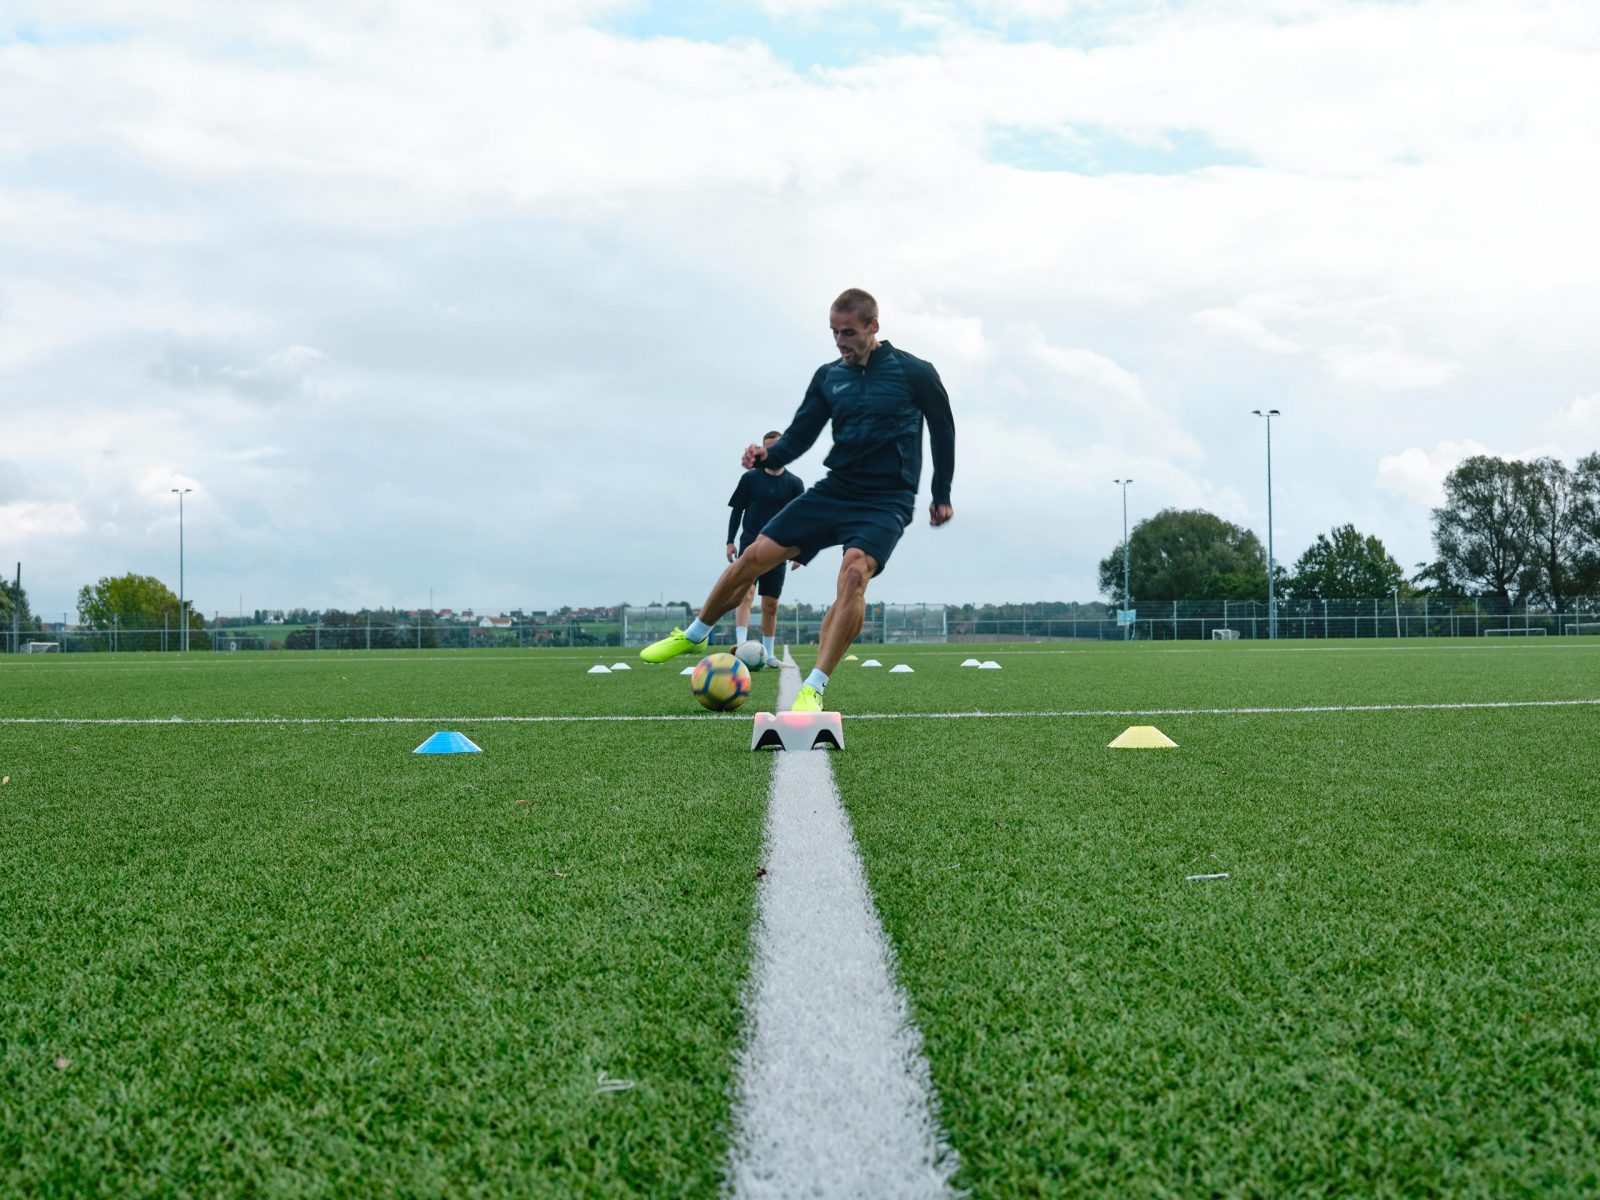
[217,922]
[305,962]
[1176,675]
[455,685]
[1391,995]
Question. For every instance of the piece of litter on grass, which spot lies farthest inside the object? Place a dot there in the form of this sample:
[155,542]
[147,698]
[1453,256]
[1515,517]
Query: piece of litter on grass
[63,1063]
[761,872]
[604,1083]
[1192,878]
[6,779]
[561,874]
[521,801]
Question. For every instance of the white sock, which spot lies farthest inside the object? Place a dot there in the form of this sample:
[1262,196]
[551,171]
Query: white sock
[698,630]
[740,633]
[767,640]
[817,680]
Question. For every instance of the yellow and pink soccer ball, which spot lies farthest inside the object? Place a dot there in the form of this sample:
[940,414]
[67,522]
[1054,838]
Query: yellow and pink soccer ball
[720,682]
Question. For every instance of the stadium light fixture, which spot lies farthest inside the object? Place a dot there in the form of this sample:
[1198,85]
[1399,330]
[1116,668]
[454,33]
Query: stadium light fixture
[183,612]
[1127,599]
[1272,597]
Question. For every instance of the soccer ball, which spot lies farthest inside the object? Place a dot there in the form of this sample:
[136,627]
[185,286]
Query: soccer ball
[752,654]
[720,682]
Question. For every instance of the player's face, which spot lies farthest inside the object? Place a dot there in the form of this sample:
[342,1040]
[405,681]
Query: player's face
[853,334]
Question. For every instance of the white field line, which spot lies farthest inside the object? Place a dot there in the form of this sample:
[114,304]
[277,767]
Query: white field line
[833,1096]
[1040,714]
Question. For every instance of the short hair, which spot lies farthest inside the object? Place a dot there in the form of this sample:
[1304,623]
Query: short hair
[858,303]
[771,433]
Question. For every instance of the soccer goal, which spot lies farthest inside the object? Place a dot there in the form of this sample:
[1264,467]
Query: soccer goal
[1224,635]
[1582,627]
[647,623]
[915,623]
[42,648]
[1515,631]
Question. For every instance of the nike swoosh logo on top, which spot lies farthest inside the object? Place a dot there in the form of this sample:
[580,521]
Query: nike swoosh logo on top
[839,387]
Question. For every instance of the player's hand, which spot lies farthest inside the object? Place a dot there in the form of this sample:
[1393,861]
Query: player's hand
[753,454]
[732,553]
[938,514]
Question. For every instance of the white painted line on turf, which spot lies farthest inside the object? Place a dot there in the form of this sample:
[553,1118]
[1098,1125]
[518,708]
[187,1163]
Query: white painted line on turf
[834,1096]
[1046,714]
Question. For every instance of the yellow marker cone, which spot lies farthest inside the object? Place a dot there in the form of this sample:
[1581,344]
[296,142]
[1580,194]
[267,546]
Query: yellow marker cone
[1141,737]
[852,658]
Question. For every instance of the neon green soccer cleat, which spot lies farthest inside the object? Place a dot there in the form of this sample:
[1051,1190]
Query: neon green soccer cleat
[809,700]
[670,646]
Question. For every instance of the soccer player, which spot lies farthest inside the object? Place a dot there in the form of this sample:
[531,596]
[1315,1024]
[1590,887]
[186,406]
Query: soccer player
[877,397]
[761,493]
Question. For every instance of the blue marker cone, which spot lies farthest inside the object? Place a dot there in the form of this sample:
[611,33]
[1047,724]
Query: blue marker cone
[448,743]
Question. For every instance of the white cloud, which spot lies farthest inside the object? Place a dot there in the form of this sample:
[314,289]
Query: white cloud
[1579,424]
[492,251]
[1387,369]
[27,519]
[1244,326]
[1418,475]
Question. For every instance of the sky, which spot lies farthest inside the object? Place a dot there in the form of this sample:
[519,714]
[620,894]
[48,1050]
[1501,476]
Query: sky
[477,304]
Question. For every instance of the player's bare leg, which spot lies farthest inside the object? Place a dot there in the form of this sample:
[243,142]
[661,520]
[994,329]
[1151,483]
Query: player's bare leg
[769,628]
[843,622]
[839,627]
[759,557]
[741,616]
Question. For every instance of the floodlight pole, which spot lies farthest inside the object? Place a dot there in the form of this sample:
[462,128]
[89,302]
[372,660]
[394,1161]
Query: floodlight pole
[1272,599]
[1127,598]
[183,615]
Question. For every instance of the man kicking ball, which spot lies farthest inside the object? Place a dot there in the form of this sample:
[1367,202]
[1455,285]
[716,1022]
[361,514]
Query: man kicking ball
[877,397]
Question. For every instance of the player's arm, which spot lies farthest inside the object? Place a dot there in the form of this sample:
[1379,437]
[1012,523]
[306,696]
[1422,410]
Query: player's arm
[812,415]
[738,502]
[928,391]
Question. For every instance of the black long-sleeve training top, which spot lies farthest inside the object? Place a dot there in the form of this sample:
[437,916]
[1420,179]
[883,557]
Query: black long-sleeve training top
[877,413]
[759,497]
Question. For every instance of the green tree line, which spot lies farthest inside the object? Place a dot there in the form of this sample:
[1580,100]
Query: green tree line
[1514,530]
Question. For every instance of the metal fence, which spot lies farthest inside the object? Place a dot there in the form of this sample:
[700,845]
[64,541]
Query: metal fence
[1379,617]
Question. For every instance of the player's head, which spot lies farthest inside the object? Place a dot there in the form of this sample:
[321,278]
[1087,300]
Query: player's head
[854,320]
[770,436]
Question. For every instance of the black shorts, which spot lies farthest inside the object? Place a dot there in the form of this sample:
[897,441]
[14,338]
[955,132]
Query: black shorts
[770,584]
[830,514]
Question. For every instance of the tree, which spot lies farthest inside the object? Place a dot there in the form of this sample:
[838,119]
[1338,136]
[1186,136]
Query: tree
[14,604]
[1434,579]
[1483,531]
[1188,554]
[1586,570]
[136,602]
[1561,520]
[1344,565]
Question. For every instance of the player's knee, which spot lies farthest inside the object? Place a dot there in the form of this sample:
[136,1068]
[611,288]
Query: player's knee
[854,572]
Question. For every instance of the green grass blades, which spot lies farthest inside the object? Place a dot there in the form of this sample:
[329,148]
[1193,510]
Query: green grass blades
[1392,993]
[285,956]
[263,961]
